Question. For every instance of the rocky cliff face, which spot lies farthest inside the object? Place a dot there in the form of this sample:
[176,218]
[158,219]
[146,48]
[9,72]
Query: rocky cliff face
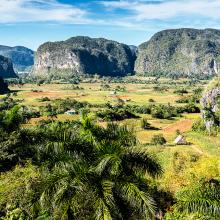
[210,104]
[3,86]
[6,68]
[84,55]
[182,51]
[21,57]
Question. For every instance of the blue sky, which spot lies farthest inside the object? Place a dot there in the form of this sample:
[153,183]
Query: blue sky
[32,22]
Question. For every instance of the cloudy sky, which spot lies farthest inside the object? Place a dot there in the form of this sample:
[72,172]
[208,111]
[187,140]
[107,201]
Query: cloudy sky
[32,22]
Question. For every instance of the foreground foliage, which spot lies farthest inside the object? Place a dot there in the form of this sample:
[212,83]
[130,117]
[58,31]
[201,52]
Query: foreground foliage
[86,172]
[201,201]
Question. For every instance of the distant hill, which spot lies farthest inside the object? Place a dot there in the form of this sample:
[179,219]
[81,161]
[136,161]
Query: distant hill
[3,86]
[83,55]
[6,68]
[22,57]
[182,51]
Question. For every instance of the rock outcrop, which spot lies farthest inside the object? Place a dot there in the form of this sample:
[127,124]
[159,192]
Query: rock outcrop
[180,51]
[83,55]
[210,104]
[6,68]
[21,57]
[3,86]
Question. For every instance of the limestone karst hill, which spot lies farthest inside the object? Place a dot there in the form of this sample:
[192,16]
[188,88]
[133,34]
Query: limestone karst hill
[6,68]
[181,51]
[84,55]
[21,57]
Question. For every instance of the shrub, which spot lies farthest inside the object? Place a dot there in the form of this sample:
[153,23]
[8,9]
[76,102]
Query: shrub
[60,106]
[12,119]
[189,108]
[163,112]
[160,88]
[197,201]
[143,109]
[199,125]
[180,91]
[105,87]
[158,140]
[178,132]
[44,99]
[73,87]
[151,100]
[115,114]
[184,99]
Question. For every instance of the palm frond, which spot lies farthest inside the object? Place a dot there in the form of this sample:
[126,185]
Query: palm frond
[138,157]
[102,212]
[108,164]
[138,199]
[85,173]
[123,135]
[203,198]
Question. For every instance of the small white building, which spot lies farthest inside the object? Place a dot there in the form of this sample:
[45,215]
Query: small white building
[180,140]
[70,112]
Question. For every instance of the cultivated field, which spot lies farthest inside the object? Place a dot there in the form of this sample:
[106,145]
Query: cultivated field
[182,164]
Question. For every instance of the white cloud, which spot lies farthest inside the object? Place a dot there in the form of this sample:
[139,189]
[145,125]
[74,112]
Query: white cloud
[20,11]
[140,13]
[14,11]
[146,10]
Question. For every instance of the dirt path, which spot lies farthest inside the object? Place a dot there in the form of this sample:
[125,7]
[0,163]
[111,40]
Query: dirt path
[182,126]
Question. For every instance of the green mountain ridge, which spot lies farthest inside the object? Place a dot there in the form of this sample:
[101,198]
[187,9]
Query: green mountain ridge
[183,51]
[84,55]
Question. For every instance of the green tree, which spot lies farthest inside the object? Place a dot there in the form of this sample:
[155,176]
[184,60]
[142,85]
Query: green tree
[12,119]
[202,200]
[91,172]
[158,140]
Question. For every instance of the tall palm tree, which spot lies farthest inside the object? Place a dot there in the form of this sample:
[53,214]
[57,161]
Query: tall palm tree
[93,172]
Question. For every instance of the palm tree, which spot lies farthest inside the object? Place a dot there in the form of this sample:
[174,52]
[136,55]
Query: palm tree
[203,199]
[91,172]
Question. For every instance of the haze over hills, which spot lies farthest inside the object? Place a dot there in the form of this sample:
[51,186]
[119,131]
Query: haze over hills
[21,57]
[84,55]
[182,51]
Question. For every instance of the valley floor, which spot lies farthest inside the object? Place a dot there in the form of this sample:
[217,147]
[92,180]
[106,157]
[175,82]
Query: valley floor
[183,164]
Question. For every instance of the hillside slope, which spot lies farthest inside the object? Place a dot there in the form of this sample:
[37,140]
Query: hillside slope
[6,68]
[181,51]
[21,57]
[83,55]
